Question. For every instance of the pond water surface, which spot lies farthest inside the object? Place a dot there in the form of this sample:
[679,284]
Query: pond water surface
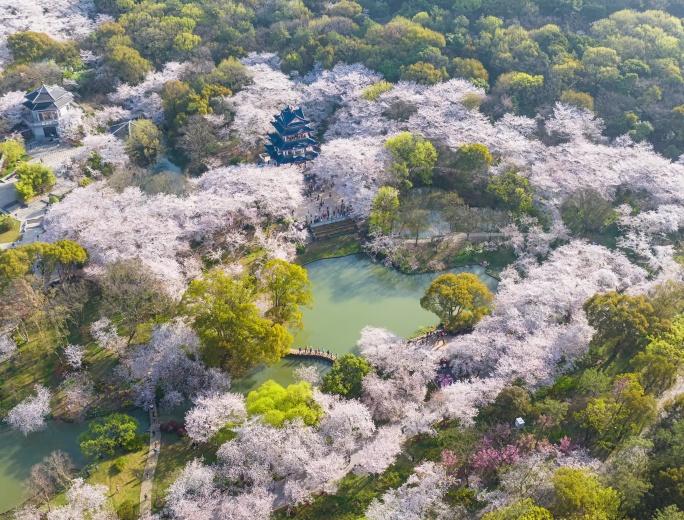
[18,453]
[350,293]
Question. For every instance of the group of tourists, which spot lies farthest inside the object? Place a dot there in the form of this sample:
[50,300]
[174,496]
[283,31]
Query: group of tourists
[316,351]
[427,337]
[322,194]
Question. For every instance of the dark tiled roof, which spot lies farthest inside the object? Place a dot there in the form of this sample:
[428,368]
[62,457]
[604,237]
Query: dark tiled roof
[288,115]
[46,98]
[293,128]
[290,122]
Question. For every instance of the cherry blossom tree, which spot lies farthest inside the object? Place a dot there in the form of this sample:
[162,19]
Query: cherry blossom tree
[11,106]
[78,393]
[308,373]
[381,452]
[164,362]
[7,347]
[29,415]
[84,502]
[390,353]
[257,103]
[195,496]
[345,422]
[212,412]
[63,19]
[74,356]
[422,492]
[357,166]
[104,333]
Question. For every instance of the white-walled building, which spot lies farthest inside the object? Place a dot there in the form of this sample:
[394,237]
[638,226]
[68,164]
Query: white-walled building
[47,106]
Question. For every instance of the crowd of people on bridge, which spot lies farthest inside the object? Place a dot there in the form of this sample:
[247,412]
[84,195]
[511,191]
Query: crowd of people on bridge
[432,335]
[316,352]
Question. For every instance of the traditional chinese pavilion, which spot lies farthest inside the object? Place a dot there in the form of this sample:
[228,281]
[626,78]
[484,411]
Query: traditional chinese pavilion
[47,107]
[291,142]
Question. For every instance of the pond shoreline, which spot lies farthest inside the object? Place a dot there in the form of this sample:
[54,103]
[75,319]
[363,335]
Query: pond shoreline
[351,292]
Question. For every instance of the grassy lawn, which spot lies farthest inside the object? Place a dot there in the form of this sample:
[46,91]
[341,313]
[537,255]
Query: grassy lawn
[128,480]
[175,453]
[332,248]
[33,363]
[12,235]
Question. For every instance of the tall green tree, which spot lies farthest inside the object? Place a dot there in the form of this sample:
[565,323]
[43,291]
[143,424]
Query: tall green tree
[33,179]
[127,64]
[514,191]
[234,335]
[144,144]
[107,434]
[11,150]
[521,510]
[384,211]
[287,287]
[622,322]
[511,402]
[346,375]
[278,404]
[579,495]
[415,158]
[586,211]
[132,295]
[459,300]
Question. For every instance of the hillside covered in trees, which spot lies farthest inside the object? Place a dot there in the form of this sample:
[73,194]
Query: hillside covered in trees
[154,258]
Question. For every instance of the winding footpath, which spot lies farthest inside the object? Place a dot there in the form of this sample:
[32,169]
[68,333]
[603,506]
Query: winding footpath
[150,466]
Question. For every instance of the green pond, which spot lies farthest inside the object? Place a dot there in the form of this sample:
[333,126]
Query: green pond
[18,453]
[350,293]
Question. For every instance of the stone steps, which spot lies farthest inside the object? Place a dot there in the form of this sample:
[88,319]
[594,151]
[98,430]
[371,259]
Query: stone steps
[323,230]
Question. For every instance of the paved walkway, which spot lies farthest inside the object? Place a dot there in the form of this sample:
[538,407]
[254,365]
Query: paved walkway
[150,467]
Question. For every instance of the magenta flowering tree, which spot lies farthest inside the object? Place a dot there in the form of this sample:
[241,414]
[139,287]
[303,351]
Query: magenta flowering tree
[490,458]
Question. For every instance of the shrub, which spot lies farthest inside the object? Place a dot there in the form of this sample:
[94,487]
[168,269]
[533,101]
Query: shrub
[13,150]
[52,199]
[374,91]
[6,223]
[33,179]
[120,464]
[181,432]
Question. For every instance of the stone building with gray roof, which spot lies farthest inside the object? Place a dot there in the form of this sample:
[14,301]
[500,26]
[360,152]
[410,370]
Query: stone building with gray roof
[46,107]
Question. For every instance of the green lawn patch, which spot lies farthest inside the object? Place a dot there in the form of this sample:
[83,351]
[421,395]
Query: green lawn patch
[12,235]
[33,363]
[129,480]
[331,248]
